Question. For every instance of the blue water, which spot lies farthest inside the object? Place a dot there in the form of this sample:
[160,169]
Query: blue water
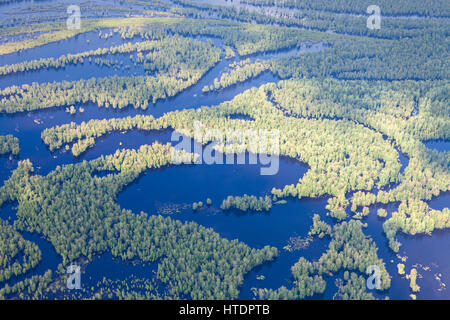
[439,145]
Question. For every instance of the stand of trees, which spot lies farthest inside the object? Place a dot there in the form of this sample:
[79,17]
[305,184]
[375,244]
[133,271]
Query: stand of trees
[412,280]
[56,137]
[9,144]
[406,112]
[239,72]
[246,203]
[336,207]
[34,287]
[435,8]
[179,63]
[354,289]
[56,31]
[319,228]
[131,288]
[17,255]
[414,217]
[246,38]
[57,63]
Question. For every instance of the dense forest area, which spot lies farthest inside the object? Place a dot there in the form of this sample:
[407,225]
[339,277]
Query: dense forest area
[435,8]
[239,72]
[9,144]
[17,255]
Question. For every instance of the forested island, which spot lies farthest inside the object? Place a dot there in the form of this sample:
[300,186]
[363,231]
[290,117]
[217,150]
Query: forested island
[9,144]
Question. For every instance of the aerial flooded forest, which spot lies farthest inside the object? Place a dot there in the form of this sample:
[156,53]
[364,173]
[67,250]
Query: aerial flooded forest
[224,149]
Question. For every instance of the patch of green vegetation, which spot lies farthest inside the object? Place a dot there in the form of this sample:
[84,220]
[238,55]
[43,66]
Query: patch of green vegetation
[9,144]
[246,203]
[51,206]
[17,255]
[414,217]
[354,289]
[382,213]
[412,276]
